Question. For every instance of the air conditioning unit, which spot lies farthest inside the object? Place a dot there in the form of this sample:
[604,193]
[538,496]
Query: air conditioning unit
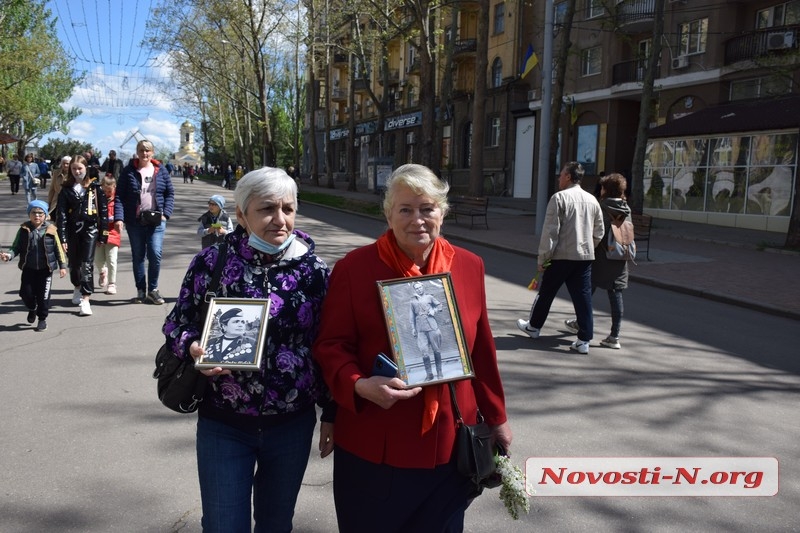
[411,138]
[398,96]
[680,62]
[532,94]
[780,40]
[346,109]
[369,103]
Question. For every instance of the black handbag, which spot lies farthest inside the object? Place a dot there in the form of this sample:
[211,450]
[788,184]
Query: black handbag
[474,451]
[180,386]
[149,217]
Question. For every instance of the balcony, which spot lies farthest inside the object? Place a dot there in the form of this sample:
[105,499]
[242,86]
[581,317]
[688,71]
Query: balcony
[338,95]
[465,47]
[394,76]
[635,16]
[413,68]
[629,72]
[340,59]
[360,84]
[762,43]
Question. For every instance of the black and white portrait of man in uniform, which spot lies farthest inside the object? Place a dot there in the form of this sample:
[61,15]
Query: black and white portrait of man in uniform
[233,346]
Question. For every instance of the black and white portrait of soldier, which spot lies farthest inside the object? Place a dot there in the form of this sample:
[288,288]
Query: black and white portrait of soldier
[233,345]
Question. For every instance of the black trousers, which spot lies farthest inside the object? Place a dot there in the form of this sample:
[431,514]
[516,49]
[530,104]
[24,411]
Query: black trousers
[14,181]
[373,497]
[35,291]
[80,254]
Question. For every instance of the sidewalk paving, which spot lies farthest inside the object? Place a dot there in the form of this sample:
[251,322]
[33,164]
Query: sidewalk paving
[729,265]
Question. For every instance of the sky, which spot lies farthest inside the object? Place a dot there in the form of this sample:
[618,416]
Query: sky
[127,86]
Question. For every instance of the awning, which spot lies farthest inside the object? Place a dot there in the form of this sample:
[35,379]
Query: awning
[753,115]
[7,138]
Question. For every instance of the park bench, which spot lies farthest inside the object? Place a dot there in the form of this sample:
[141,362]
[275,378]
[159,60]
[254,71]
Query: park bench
[641,231]
[470,206]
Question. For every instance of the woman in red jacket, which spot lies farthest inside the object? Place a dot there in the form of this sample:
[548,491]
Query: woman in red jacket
[393,466]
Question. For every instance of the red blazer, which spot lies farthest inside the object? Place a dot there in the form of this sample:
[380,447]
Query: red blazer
[353,331]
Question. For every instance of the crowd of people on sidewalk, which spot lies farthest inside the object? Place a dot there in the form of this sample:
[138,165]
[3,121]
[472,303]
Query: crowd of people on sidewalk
[254,429]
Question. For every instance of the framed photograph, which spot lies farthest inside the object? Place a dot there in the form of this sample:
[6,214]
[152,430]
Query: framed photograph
[234,333]
[425,329]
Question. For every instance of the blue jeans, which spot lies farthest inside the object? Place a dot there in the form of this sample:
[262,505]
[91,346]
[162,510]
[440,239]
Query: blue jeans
[236,467]
[577,275]
[146,242]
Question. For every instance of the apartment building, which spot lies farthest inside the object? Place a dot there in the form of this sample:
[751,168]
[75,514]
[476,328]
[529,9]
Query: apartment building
[725,114]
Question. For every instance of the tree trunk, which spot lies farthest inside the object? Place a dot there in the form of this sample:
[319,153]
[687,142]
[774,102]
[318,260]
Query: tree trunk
[479,102]
[636,195]
[557,101]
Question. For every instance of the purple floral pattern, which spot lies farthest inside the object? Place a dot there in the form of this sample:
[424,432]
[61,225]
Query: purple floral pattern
[289,380]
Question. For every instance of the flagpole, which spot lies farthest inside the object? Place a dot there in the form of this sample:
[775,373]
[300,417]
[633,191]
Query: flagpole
[543,170]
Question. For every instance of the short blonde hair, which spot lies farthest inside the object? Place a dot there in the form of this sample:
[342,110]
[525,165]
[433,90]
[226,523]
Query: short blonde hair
[421,180]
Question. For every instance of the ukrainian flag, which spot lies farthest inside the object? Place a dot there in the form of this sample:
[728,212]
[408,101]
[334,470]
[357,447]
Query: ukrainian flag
[530,61]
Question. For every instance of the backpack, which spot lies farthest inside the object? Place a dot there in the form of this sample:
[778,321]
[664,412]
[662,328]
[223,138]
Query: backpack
[620,245]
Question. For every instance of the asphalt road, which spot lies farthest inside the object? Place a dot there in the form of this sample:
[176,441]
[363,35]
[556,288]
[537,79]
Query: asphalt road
[86,447]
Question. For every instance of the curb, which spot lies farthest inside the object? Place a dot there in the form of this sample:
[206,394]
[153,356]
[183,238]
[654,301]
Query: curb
[645,280]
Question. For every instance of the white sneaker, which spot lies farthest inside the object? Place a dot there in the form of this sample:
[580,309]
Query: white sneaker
[525,326]
[572,325]
[86,308]
[77,297]
[580,346]
[111,289]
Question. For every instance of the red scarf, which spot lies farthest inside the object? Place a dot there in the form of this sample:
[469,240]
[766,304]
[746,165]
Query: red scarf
[440,259]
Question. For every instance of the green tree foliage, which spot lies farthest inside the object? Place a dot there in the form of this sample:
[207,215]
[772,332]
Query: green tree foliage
[35,73]
[55,149]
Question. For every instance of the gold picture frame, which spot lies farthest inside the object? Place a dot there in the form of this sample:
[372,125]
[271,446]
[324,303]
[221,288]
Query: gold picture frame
[234,333]
[424,328]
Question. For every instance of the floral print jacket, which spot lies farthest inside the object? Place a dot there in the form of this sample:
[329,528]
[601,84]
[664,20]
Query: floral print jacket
[289,380]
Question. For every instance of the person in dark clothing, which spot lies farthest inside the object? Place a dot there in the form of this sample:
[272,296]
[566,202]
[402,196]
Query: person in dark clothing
[214,223]
[40,253]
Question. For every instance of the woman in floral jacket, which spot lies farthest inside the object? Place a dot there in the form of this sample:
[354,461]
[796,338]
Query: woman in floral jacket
[261,419]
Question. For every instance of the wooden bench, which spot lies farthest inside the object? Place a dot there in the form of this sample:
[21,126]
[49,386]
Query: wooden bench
[641,231]
[469,206]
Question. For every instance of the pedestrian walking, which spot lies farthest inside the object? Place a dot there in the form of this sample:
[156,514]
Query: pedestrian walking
[144,202]
[608,274]
[214,223]
[30,178]
[40,253]
[105,254]
[14,168]
[82,218]
[573,227]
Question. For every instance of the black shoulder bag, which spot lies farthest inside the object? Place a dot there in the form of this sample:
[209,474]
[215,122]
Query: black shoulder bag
[474,451]
[180,385]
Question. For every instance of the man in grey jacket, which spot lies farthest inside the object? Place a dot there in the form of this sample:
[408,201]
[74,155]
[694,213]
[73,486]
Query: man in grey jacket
[573,227]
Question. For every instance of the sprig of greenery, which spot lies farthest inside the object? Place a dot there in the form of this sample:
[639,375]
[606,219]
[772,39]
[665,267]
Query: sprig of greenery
[513,490]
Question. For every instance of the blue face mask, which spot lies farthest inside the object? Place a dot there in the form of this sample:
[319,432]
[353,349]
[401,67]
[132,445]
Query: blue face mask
[261,245]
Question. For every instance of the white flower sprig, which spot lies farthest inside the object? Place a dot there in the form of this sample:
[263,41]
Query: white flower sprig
[512,492]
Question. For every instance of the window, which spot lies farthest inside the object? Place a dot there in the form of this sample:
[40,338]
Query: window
[594,9]
[560,13]
[497,72]
[779,15]
[493,132]
[591,61]
[692,37]
[760,87]
[499,18]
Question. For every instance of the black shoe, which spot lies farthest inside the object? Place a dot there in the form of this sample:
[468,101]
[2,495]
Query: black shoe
[31,316]
[42,325]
